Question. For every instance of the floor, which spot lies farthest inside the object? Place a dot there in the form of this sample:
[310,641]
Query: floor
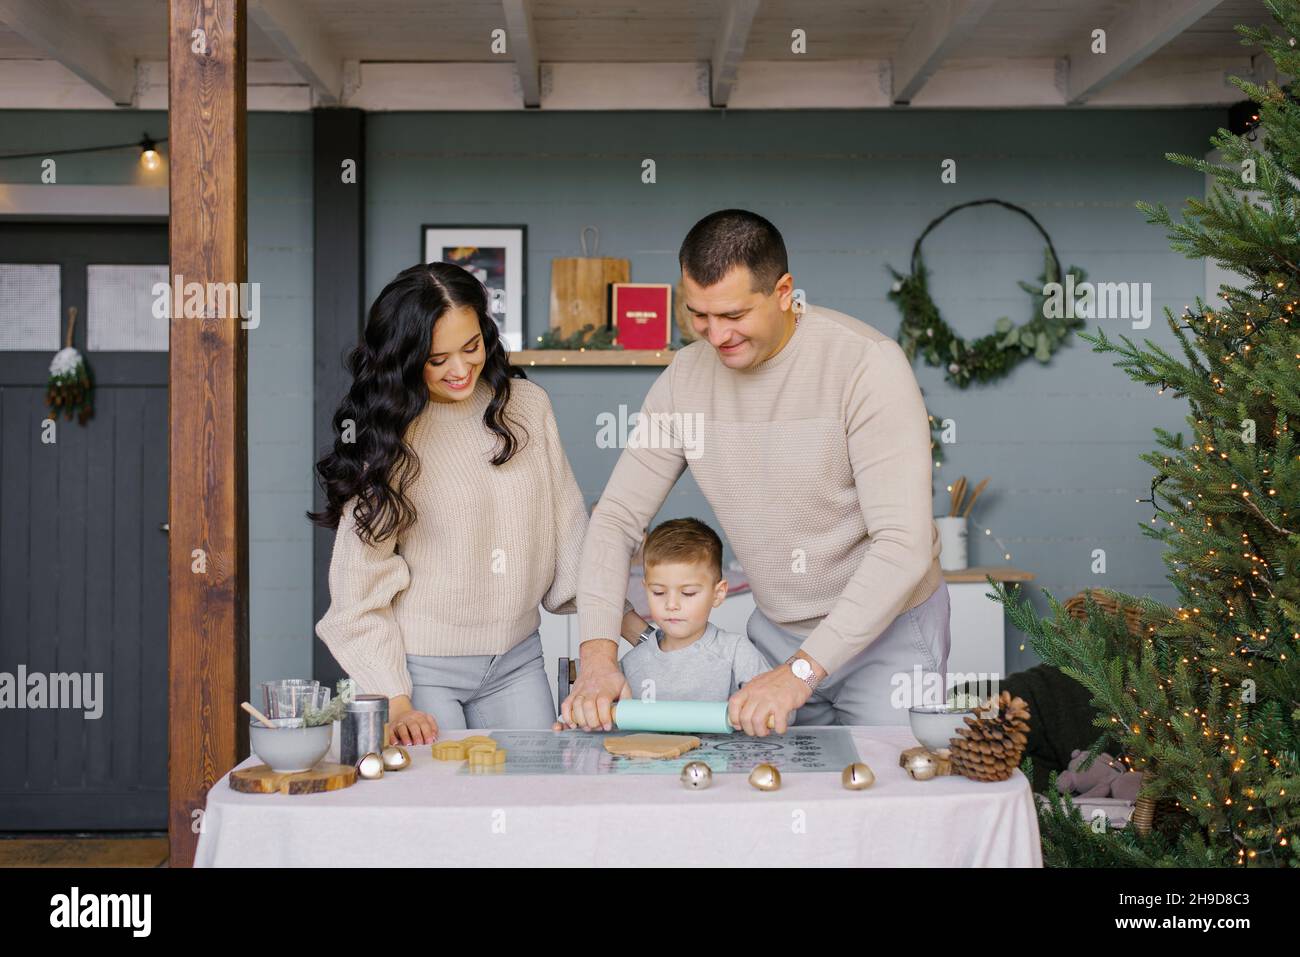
[136,849]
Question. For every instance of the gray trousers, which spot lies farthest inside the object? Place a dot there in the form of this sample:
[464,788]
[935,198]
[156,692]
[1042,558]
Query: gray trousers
[878,684]
[484,691]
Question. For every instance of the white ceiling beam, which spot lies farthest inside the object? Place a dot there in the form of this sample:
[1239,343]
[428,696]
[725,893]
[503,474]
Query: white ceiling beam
[729,48]
[521,38]
[55,30]
[297,35]
[1143,28]
[943,28]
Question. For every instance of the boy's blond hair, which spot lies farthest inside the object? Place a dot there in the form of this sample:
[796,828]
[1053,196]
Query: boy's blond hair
[683,540]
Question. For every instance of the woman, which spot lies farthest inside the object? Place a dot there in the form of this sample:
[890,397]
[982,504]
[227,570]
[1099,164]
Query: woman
[456,514]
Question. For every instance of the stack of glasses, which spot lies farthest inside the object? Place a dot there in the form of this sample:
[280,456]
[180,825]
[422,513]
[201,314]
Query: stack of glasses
[293,698]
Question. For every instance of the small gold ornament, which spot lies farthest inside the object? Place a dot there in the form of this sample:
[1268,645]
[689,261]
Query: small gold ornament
[395,758]
[697,775]
[371,766]
[921,767]
[765,777]
[857,777]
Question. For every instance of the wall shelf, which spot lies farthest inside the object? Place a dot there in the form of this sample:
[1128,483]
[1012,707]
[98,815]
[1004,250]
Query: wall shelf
[592,357]
[999,573]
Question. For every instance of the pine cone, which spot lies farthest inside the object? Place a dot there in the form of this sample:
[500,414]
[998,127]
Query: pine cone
[989,748]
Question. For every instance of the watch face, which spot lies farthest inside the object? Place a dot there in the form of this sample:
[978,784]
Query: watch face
[801,669]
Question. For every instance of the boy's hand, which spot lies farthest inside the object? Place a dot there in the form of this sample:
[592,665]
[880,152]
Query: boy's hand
[600,684]
[777,693]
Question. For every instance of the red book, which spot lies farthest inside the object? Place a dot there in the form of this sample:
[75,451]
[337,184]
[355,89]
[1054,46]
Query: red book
[641,313]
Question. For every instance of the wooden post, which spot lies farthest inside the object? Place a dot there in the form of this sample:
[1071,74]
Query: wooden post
[208,545]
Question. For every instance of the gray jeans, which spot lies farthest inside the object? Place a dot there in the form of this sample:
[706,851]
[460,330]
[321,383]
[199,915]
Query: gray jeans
[878,684]
[484,691]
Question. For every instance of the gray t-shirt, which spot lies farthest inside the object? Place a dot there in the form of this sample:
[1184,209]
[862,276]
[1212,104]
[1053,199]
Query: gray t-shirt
[711,669]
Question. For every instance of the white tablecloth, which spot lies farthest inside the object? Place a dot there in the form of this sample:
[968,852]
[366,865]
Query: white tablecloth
[430,816]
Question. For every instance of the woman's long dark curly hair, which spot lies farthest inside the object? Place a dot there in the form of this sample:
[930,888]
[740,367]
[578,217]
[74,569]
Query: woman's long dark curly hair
[388,392]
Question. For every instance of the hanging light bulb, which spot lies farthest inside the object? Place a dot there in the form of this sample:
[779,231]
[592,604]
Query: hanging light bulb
[149,157]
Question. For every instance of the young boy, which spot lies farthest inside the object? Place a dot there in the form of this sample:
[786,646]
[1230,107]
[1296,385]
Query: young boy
[692,660]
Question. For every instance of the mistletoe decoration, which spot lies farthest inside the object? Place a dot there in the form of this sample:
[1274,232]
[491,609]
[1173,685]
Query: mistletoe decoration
[991,356]
[69,387]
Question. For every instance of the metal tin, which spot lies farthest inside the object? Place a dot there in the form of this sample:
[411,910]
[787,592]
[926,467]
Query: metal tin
[362,727]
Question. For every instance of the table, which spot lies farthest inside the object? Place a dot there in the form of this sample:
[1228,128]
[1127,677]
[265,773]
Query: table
[430,815]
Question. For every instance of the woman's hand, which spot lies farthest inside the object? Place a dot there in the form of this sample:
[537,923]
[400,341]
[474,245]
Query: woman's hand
[408,726]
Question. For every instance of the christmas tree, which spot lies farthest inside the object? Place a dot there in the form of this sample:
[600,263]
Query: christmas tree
[1204,698]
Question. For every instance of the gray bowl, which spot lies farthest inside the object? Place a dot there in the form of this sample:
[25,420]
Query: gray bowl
[934,725]
[290,747]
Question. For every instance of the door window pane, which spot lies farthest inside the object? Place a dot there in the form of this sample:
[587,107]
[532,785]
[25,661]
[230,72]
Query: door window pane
[120,309]
[29,308]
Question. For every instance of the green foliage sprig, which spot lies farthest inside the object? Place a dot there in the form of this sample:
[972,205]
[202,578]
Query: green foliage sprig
[588,337]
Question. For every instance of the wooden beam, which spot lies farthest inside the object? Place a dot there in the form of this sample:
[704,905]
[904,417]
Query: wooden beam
[521,38]
[296,33]
[729,48]
[338,296]
[208,491]
[943,28]
[1143,28]
[51,27]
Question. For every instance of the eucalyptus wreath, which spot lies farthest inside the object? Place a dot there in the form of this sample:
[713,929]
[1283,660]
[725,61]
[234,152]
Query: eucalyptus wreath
[991,356]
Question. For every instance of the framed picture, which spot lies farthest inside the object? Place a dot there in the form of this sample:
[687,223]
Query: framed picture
[495,256]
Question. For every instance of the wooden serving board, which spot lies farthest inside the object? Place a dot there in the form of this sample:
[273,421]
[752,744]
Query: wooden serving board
[580,291]
[260,779]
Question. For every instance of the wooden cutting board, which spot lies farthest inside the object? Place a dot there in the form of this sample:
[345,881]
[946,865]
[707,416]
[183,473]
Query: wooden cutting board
[260,779]
[580,291]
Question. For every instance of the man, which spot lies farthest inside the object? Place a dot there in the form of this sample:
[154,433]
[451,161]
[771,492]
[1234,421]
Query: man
[813,449]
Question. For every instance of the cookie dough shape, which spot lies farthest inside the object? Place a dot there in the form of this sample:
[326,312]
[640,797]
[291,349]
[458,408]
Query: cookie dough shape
[478,750]
[651,745]
[482,755]
[449,751]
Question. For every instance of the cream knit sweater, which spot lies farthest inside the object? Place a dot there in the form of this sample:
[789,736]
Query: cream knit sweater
[490,543]
[816,463]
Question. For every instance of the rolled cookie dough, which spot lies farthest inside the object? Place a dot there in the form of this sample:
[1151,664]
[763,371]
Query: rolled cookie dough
[651,745]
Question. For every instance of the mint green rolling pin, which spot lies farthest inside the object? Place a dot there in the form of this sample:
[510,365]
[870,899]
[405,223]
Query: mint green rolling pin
[700,717]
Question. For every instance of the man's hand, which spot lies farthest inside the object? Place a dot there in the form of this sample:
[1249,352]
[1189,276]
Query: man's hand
[600,684]
[777,693]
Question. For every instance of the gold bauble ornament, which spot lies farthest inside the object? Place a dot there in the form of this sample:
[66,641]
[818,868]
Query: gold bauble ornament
[857,777]
[371,766]
[921,767]
[765,777]
[696,775]
[395,758]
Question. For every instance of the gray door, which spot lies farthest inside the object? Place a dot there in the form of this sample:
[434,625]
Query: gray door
[83,543]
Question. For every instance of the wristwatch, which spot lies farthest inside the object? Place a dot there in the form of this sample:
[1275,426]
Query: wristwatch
[651,631]
[803,670]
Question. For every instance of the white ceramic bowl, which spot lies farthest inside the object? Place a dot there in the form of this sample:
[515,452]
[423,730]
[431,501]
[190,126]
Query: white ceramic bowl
[934,725]
[289,746]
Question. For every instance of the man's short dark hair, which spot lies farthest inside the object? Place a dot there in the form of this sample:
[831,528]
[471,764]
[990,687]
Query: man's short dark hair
[729,238]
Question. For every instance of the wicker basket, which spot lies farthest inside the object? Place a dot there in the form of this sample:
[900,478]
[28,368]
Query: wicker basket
[1076,607]
[1148,812]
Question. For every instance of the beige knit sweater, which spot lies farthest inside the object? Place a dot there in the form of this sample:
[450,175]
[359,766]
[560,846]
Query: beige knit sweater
[817,465]
[489,544]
